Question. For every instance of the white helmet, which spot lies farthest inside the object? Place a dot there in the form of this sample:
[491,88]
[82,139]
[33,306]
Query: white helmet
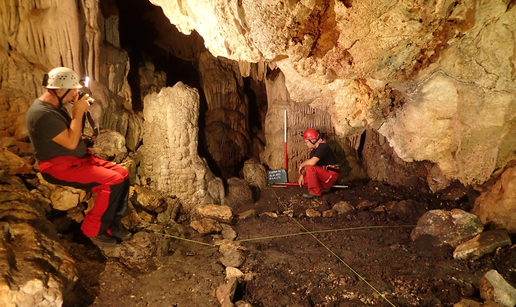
[62,77]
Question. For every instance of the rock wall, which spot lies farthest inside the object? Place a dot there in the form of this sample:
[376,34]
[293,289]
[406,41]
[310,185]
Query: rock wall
[35,269]
[435,78]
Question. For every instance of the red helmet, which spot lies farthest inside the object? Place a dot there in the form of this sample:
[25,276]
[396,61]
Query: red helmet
[311,134]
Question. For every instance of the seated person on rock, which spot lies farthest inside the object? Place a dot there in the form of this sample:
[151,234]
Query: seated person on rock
[321,170]
[64,159]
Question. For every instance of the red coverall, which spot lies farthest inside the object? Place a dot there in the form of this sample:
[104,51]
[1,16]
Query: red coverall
[108,180]
[317,178]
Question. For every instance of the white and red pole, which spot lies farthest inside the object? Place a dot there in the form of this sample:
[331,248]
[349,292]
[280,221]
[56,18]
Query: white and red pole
[285,131]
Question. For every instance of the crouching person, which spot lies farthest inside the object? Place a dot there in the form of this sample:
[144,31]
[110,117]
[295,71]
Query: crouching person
[321,170]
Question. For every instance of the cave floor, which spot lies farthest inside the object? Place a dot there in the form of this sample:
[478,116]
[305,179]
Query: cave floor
[361,258]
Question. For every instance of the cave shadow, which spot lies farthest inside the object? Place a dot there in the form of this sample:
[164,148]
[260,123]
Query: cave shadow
[340,155]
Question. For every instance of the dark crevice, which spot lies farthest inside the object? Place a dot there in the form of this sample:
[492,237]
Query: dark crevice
[139,31]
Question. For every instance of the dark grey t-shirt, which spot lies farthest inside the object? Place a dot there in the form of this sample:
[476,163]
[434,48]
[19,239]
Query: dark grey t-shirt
[45,122]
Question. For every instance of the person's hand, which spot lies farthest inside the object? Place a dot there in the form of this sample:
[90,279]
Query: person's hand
[301,180]
[81,105]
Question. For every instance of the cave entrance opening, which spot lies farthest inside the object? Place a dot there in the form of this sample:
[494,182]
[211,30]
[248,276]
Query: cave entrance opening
[143,28]
[148,37]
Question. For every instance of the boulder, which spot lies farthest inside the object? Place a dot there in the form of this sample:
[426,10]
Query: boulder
[147,199]
[239,193]
[139,251]
[255,174]
[62,198]
[447,227]
[497,205]
[110,146]
[222,214]
[205,226]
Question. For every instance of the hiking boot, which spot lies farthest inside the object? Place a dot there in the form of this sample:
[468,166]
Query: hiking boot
[326,190]
[309,195]
[103,240]
[120,233]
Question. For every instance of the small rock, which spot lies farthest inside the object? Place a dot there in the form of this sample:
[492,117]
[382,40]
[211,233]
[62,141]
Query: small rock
[312,213]
[233,272]
[247,214]
[494,287]
[255,173]
[219,213]
[206,226]
[228,232]
[328,213]
[343,207]
[468,303]
[233,259]
[147,199]
[366,204]
[226,291]
[269,214]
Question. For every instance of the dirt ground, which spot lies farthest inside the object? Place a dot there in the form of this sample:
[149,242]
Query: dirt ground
[362,258]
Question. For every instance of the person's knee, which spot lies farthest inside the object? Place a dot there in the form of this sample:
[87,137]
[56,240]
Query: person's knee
[124,173]
[115,178]
[310,168]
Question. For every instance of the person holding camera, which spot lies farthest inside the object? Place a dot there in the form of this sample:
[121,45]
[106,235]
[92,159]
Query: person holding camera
[64,159]
[321,170]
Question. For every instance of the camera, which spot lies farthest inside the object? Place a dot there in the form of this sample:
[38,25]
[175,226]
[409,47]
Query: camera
[90,100]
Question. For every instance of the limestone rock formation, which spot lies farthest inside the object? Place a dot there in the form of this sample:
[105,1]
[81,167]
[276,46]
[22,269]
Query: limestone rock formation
[35,270]
[170,159]
[151,81]
[227,124]
[436,78]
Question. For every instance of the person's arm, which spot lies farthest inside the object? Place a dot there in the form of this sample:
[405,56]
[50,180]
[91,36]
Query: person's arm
[309,162]
[70,137]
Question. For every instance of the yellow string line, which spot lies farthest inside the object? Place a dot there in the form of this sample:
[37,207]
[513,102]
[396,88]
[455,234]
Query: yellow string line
[285,235]
[188,240]
[340,259]
[321,231]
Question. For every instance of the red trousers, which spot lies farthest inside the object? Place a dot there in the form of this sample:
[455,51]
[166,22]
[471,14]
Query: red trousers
[317,178]
[108,180]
